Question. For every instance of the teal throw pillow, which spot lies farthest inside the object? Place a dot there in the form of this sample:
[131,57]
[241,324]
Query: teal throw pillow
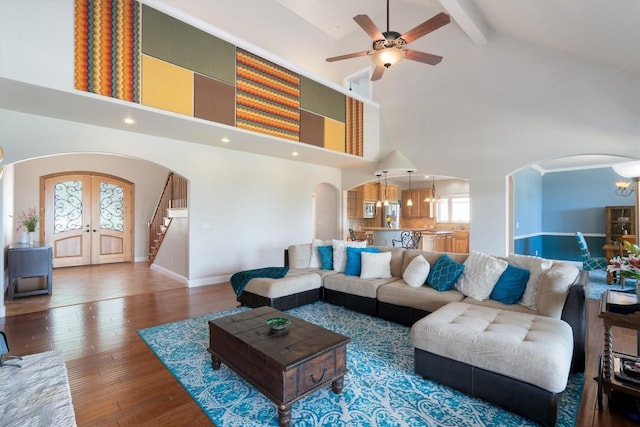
[444,273]
[511,285]
[354,260]
[326,257]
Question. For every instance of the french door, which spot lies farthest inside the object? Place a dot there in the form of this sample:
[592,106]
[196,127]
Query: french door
[88,218]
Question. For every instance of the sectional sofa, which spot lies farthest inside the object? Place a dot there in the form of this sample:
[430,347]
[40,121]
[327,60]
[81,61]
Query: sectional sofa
[386,283]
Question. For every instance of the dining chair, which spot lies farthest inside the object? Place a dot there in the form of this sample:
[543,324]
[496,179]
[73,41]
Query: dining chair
[589,263]
[408,240]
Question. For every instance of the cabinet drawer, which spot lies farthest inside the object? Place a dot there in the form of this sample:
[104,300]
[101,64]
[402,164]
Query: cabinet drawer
[316,371]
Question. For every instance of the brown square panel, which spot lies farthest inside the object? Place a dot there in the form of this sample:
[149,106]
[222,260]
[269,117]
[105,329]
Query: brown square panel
[213,100]
[311,128]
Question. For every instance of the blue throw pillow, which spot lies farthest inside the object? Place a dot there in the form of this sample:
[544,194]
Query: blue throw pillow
[326,257]
[354,260]
[444,273]
[511,285]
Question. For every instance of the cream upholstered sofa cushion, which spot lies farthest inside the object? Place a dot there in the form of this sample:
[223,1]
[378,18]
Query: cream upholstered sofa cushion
[416,273]
[536,267]
[534,349]
[553,288]
[340,253]
[294,282]
[424,298]
[354,285]
[481,273]
[314,261]
[299,255]
[376,265]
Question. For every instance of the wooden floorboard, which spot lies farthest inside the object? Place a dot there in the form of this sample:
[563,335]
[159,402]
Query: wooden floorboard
[116,380]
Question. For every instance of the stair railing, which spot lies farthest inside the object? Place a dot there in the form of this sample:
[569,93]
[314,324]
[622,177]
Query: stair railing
[174,195]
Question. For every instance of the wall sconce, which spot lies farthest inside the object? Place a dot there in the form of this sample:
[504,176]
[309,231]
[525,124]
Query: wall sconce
[623,188]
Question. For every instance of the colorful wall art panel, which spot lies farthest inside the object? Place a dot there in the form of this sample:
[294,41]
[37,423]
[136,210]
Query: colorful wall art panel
[354,127]
[166,86]
[107,48]
[267,97]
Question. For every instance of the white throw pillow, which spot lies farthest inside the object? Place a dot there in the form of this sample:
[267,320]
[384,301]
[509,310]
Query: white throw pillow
[416,272]
[340,253]
[314,262]
[481,273]
[536,266]
[376,265]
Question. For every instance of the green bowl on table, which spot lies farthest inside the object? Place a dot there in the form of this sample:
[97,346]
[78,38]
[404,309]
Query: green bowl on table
[277,323]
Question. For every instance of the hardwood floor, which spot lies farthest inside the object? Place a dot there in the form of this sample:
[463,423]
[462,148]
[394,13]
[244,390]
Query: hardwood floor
[117,381]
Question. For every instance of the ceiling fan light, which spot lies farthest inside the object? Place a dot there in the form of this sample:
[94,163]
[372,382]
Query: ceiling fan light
[388,56]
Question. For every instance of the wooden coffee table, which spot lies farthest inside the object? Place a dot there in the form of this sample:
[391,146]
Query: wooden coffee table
[283,365]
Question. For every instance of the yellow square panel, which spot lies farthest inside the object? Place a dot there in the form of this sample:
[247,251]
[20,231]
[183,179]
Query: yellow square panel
[166,86]
[334,135]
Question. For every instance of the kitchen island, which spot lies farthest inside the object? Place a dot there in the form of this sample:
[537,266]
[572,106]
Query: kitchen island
[432,239]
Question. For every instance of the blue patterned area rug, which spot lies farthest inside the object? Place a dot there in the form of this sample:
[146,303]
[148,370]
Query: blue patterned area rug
[380,389]
[598,284]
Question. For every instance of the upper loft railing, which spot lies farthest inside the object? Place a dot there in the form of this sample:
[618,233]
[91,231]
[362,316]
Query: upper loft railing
[174,196]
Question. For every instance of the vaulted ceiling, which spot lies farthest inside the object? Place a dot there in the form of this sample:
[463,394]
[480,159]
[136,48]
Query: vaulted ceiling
[305,32]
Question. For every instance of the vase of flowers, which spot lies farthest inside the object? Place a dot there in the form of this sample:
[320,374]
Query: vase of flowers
[627,266]
[27,224]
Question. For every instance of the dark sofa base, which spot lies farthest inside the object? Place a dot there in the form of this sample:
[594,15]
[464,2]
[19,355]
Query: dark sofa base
[403,315]
[516,396]
[354,302]
[286,302]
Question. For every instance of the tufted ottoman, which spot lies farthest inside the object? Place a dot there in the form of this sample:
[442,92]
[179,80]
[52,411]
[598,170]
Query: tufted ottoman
[516,360]
[295,289]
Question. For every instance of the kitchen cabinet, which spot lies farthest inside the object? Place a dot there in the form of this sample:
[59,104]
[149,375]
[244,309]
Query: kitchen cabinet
[620,220]
[443,242]
[355,203]
[460,241]
[420,208]
[370,192]
[391,192]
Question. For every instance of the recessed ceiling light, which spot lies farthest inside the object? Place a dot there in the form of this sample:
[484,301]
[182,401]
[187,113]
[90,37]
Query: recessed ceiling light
[128,121]
[225,140]
[295,153]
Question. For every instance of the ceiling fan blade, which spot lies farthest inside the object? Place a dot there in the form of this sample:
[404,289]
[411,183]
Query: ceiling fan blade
[426,27]
[427,58]
[348,56]
[369,27]
[377,73]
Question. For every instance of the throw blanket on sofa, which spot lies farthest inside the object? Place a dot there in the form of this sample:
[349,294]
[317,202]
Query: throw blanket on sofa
[239,280]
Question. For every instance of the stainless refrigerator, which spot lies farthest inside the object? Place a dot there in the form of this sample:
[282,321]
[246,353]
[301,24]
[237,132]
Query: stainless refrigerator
[391,215]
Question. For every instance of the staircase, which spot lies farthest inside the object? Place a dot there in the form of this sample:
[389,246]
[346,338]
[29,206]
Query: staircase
[173,203]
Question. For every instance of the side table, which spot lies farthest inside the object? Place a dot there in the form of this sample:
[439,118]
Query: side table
[29,261]
[607,383]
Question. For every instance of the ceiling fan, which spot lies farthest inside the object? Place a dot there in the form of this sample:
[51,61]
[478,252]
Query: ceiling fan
[390,47]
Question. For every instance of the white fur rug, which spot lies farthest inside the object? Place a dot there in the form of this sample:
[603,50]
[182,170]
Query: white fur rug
[36,395]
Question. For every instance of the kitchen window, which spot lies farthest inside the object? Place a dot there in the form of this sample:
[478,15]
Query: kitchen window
[453,209]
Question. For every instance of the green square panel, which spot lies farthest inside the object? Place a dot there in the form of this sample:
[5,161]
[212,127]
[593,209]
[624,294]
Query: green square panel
[174,41]
[322,100]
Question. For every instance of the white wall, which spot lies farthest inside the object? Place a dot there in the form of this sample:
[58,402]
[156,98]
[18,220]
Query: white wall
[245,209]
[488,111]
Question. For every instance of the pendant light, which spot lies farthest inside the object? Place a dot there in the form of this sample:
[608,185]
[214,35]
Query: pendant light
[433,198]
[378,202]
[386,199]
[409,201]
